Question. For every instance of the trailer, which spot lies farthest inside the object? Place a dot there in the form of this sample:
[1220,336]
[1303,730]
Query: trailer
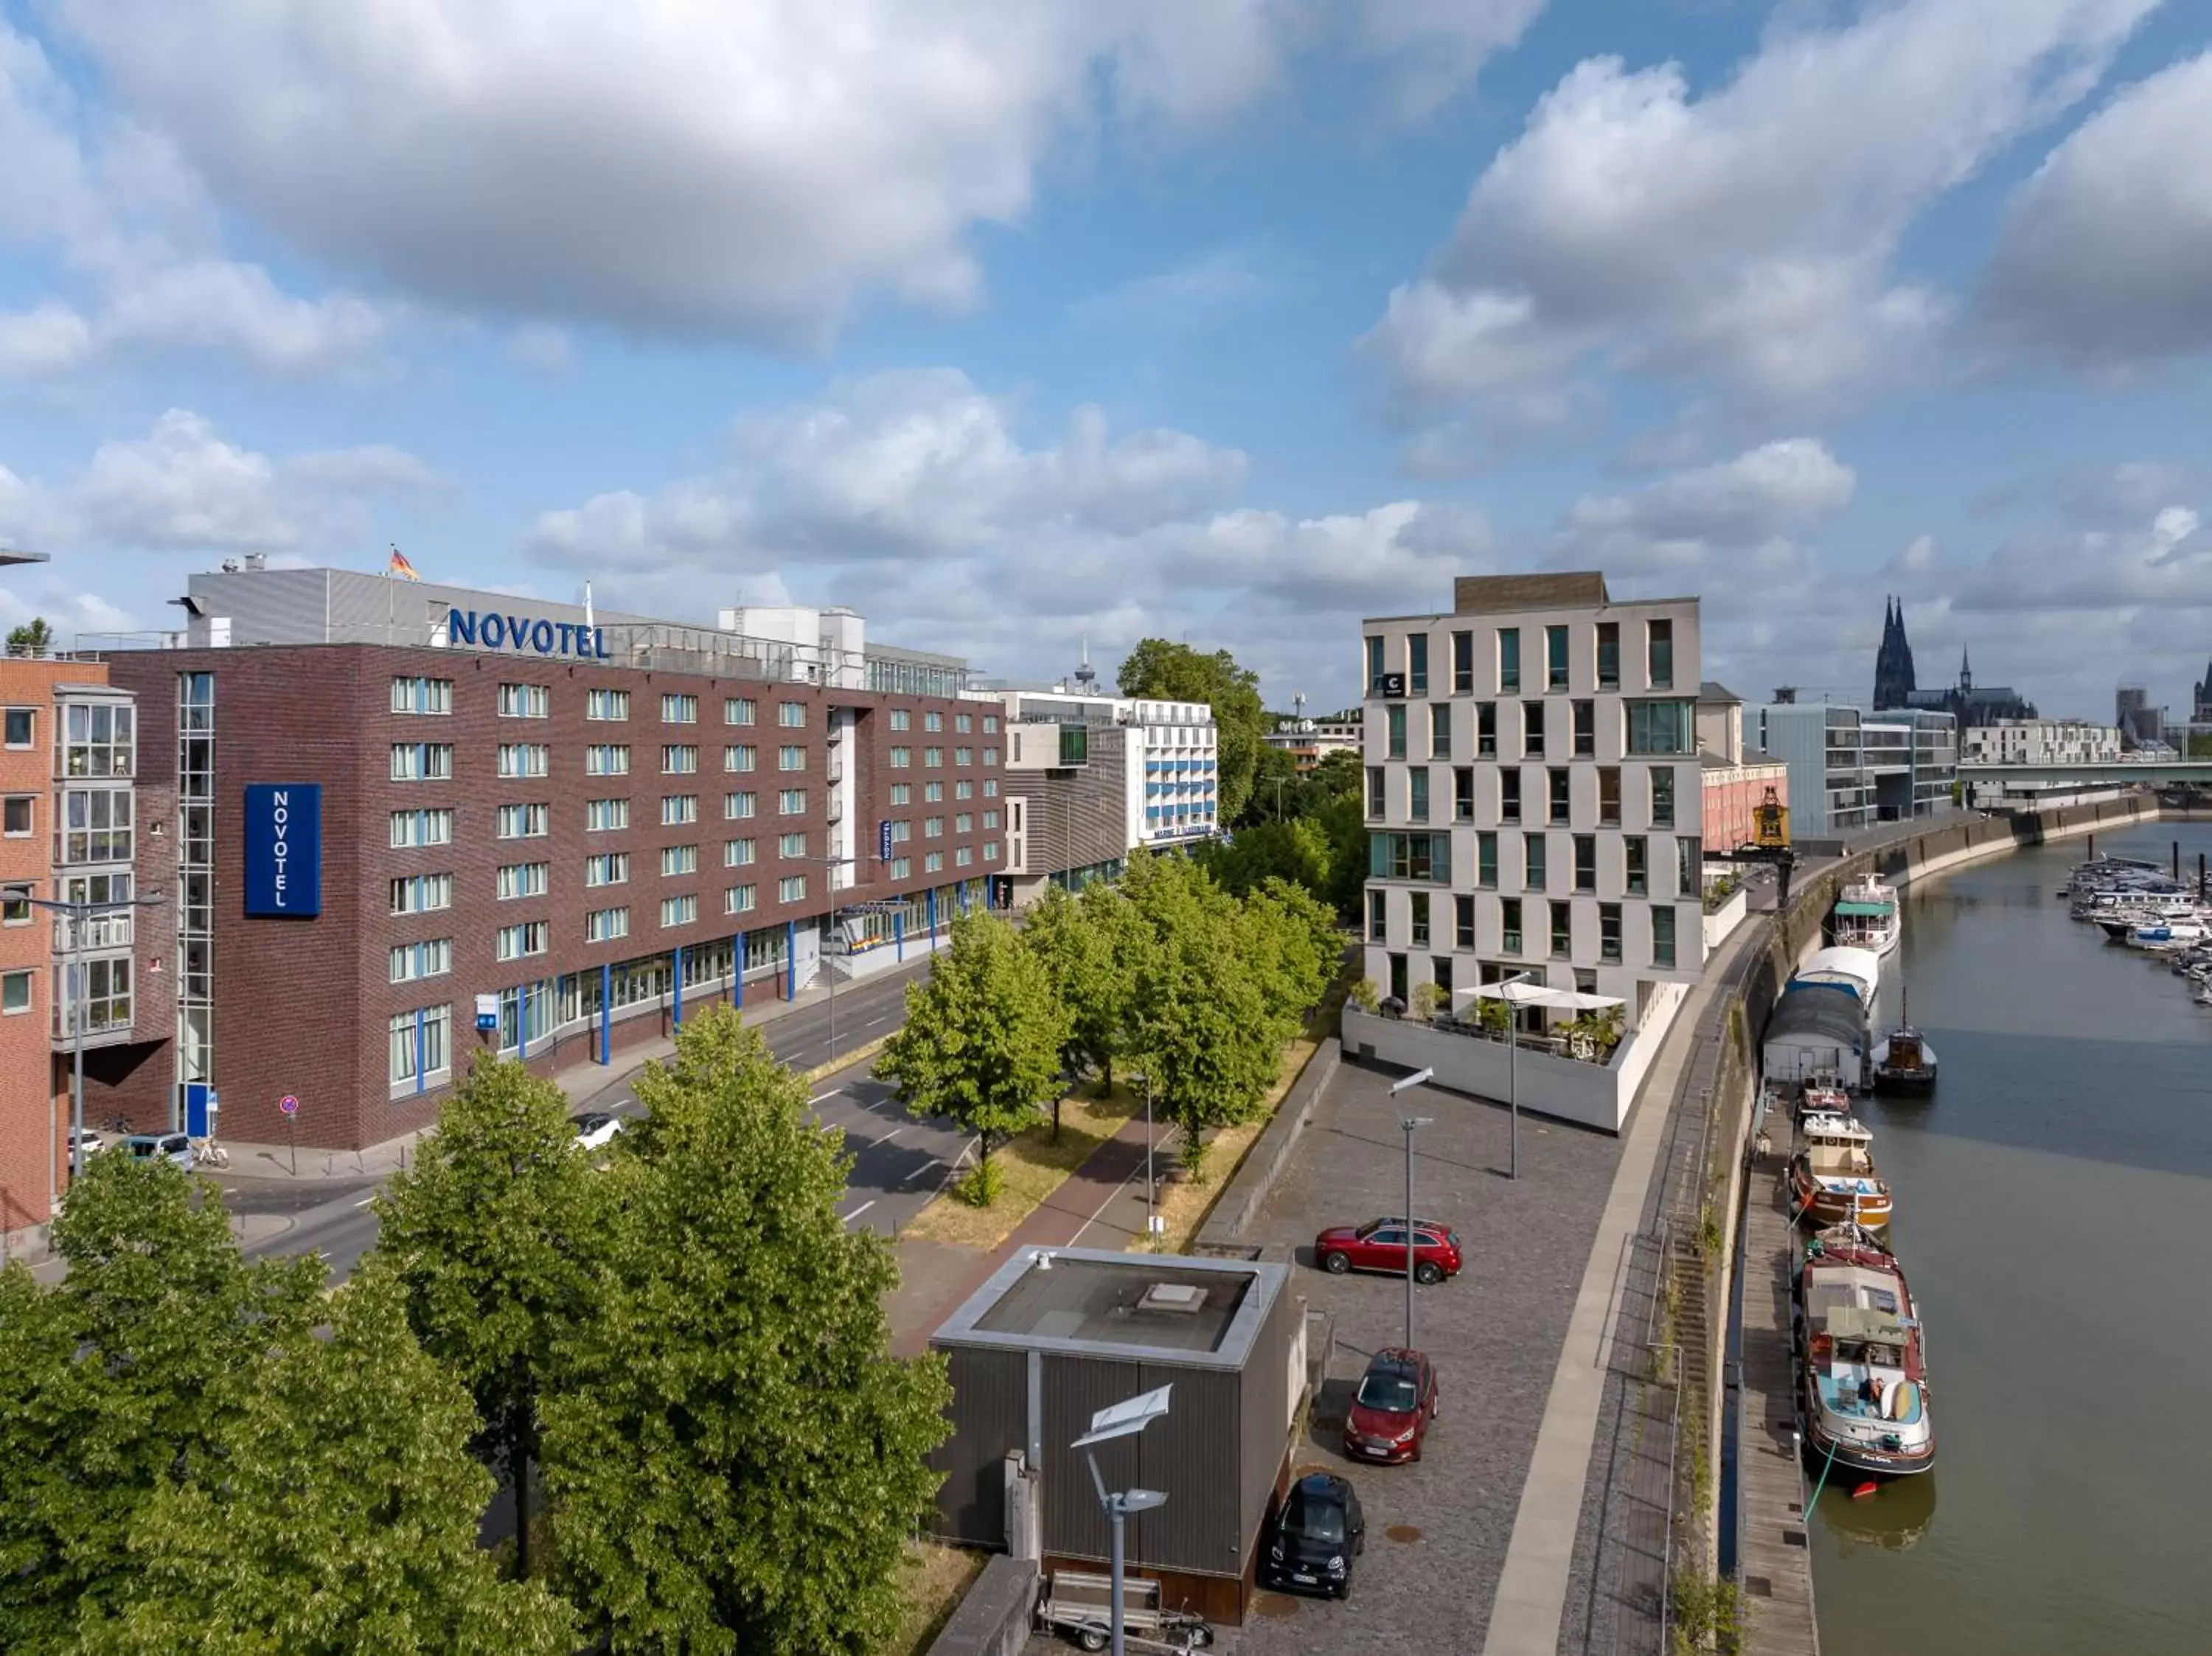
[1078,1603]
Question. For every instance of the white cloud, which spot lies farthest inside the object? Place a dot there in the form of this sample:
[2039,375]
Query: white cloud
[2104,258]
[1436,46]
[540,346]
[44,339]
[1750,505]
[1747,235]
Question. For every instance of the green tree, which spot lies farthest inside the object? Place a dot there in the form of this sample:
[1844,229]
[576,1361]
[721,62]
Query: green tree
[112,1384]
[1340,774]
[1175,672]
[982,1038]
[1079,941]
[1274,786]
[33,638]
[739,1461]
[1295,934]
[491,1235]
[1297,851]
[342,1512]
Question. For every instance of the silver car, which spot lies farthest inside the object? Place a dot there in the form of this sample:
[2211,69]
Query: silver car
[175,1145]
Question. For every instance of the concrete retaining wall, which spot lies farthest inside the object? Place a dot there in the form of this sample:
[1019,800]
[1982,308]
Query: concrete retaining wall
[1725,919]
[1269,1155]
[994,1618]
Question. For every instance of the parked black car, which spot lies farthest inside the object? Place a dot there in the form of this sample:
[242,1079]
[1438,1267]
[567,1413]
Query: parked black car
[1318,1533]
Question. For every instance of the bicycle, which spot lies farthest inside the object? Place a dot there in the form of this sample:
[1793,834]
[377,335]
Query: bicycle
[207,1153]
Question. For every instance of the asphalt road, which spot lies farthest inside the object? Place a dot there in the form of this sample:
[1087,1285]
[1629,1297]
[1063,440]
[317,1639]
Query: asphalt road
[899,1162]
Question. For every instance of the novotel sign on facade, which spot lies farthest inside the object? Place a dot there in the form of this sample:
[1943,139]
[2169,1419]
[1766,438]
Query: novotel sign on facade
[491,630]
[285,850]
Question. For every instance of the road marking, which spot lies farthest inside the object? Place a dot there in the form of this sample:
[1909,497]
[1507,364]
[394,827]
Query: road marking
[860,1209]
[364,1201]
[888,1136]
[933,1162]
[832,1093]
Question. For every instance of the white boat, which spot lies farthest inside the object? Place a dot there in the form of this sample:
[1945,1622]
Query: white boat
[2164,936]
[1868,916]
[1858,970]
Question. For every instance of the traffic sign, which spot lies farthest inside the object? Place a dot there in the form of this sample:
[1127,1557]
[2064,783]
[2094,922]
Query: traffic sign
[288,1104]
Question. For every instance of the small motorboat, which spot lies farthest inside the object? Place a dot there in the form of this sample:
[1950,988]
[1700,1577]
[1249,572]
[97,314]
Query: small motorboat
[1831,1177]
[1861,1365]
[1903,1062]
[1866,916]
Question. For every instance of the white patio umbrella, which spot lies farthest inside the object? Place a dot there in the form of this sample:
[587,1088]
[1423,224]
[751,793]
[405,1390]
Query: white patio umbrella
[1519,991]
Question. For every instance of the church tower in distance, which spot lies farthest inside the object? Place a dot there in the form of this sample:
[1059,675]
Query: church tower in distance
[1892,664]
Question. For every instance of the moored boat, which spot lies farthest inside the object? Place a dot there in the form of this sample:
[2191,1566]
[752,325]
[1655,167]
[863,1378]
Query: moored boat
[1903,1063]
[1862,1363]
[1831,1177]
[1867,916]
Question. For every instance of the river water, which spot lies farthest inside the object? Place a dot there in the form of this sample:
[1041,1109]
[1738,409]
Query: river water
[2054,1215]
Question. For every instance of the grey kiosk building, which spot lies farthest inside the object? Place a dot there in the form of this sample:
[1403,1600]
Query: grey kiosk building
[1057,1334]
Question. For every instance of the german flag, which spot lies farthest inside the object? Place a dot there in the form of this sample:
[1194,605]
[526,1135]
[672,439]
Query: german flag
[398,566]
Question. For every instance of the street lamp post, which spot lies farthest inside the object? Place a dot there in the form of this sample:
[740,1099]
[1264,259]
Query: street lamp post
[1410,1125]
[77,913]
[833,863]
[1122,1420]
[1513,1072]
[1151,1223]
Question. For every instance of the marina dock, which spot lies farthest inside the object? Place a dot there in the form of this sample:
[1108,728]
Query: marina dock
[1775,1559]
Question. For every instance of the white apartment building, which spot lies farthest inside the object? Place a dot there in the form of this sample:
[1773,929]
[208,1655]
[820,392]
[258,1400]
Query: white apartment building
[2039,742]
[1533,792]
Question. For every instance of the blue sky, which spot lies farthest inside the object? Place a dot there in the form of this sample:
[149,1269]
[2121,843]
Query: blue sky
[1234,321]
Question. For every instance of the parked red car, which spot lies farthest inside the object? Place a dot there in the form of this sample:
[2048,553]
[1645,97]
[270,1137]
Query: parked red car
[1391,1411]
[1380,1245]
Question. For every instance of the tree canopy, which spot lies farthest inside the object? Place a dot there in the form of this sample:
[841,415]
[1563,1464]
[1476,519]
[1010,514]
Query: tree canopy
[1175,672]
[32,637]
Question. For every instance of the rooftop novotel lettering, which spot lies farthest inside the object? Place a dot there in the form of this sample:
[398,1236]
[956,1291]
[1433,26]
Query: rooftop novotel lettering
[493,631]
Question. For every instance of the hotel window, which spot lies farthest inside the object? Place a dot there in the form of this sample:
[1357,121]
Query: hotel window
[606,704]
[1440,730]
[1486,860]
[1378,916]
[933,828]
[604,924]
[738,853]
[679,911]
[1533,871]
[934,863]
[422,893]
[1608,796]
[963,824]
[932,721]
[964,755]
[1417,806]
[1663,796]
[741,900]
[1586,863]
[736,807]
[990,819]
[16,907]
[792,715]
[1662,934]
[962,857]
[1509,919]
[679,759]
[741,757]
[679,809]
[1375,666]
[525,701]
[421,762]
[1585,730]
[933,793]
[1419,901]
[790,802]
[609,867]
[1395,726]
[990,724]
[1657,727]
[421,827]
[516,942]
[419,1043]
[1509,661]
[1555,658]
[1532,730]
[1689,867]
[1417,664]
[107,998]
[605,815]
[902,719]
[990,783]
[1659,653]
[963,789]
[524,758]
[791,845]
[1608,655]
[901,830]
[1463,649]
[411,960]
[606,759]
[1608,933]
[902,793]
[1509,795]
[678,859]
[791,889]
[524,821]
[1561,796]
[423,696]
[1463,922]
[791,759]
[902,758]
[524,880]
[990,851]
[679,709]
[1485,730]
[901,868]
[933,758]
[1463,794]
[740,710]
[990,758]
[1424,857]
[22,727]
[1563,930]
[963,723]
[1636,877]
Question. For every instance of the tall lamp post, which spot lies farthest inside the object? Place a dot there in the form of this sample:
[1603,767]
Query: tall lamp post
[77,913]
[833,863]
[1410,1125]
[1513,1071]
[1151,1220]
[1122,1420]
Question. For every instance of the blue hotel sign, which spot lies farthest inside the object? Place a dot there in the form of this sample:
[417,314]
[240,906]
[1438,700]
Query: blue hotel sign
[492,630]
[285,850]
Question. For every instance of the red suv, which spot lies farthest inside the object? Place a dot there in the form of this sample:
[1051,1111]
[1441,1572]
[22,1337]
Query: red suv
[1390,1413]
[1380,1245]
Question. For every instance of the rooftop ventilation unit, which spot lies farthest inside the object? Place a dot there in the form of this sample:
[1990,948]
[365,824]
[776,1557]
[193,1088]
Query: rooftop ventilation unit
[1183,1297]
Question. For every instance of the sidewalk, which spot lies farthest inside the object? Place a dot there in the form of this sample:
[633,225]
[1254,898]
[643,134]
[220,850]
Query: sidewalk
[583,1081]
